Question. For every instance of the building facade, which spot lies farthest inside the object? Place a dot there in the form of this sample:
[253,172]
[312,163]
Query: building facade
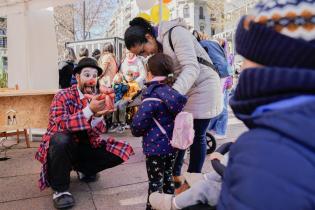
[233,11]
[195,12]
[3,53]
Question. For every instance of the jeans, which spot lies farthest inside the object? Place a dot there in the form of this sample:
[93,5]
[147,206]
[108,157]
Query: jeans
[120,114]
[198,149]
[219,123]
[65,154]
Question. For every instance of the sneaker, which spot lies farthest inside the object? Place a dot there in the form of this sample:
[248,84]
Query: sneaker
[126,126]
[63,200]
[161,201]
[120,129]
[113,128]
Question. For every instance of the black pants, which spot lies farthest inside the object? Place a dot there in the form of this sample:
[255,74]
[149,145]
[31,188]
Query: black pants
[159,169]
[65,154]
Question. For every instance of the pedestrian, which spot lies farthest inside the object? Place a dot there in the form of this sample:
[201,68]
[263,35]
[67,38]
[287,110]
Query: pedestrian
[83,53]
[66,68]
[194,78]
[119,116]
[73,139]
[163,104]
[134,63]
[96,54]
[271,166]
[218,125]
[108,64]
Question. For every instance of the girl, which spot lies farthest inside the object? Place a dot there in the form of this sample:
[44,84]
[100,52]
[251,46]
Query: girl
[133,63]
[161,103]
[108,63]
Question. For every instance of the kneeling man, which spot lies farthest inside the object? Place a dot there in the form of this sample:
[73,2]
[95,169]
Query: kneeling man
[73,139]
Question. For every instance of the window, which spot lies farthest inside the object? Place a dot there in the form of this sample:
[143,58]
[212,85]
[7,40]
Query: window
[3,39]
[201,16]
[186,11]
[212,31]
[202,28]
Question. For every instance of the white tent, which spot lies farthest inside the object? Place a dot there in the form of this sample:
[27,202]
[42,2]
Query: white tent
[32,47]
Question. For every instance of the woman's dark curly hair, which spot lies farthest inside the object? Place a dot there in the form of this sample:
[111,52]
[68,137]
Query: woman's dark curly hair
[136,32]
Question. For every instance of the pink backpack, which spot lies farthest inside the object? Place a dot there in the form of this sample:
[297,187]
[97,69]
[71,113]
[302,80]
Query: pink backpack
[183,133]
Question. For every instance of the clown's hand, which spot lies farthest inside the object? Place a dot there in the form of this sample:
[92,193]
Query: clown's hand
[103,113]
[97,104]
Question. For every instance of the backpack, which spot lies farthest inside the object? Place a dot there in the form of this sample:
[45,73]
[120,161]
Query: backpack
[183,132]
[218,57]
[214,51]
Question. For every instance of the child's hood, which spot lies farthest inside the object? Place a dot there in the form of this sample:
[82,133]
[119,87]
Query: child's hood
[172,99]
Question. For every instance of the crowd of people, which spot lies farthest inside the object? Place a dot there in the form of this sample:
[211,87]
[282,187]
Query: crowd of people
[270,166]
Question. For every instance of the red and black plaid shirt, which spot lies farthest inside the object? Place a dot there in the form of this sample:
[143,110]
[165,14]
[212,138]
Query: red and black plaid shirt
[66,115]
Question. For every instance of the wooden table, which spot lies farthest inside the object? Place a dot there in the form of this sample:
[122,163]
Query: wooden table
[24,109]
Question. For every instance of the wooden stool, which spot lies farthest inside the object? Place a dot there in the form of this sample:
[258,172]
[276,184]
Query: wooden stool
[17,133]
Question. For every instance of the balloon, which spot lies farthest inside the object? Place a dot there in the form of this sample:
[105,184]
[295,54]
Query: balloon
[155,13]
[145,4]
[145,16]
[166,1]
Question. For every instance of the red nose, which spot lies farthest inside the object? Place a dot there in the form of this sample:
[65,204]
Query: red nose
[92,82]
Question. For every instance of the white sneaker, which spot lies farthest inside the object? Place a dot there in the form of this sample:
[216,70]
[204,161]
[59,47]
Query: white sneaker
[161,201]
[127,126]
[120,129]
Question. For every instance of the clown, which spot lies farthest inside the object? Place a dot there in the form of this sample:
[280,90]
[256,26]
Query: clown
[73,139]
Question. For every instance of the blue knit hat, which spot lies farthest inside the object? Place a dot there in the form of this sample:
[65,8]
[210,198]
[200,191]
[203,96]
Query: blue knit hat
[279,33]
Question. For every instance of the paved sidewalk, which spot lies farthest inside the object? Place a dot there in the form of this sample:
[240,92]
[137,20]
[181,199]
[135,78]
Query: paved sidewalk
[122,187]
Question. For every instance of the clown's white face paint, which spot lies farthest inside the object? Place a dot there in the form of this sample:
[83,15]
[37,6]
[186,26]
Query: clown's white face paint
[87,80]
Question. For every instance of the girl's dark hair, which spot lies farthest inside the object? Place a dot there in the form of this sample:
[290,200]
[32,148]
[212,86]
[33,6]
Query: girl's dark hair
[136,32]
[162,65]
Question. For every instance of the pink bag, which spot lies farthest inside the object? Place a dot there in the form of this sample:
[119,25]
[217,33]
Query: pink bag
[183,133]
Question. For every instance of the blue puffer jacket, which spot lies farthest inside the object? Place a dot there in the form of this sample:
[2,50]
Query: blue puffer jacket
[272,166]
[154,142]
[120,90]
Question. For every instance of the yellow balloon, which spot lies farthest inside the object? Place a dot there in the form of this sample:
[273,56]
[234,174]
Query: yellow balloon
[145,16]
[155,11]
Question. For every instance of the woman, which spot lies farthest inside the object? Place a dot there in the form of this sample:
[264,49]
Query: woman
[133,63]
[108,63]
[197,81]
[66,68]
[218,126]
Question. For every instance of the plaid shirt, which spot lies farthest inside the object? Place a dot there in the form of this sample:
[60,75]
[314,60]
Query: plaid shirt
[66,114]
